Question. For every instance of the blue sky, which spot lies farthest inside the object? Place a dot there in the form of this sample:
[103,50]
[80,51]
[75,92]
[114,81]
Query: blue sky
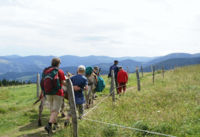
[99,27]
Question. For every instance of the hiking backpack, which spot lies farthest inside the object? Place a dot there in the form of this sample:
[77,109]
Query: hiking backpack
[100,84]
[50,83]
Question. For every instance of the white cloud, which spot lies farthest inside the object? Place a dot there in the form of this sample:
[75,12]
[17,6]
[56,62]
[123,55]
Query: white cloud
[99,27]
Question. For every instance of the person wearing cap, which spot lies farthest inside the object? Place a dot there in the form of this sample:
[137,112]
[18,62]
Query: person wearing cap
[81,81]
[122,79]
[116,69]
[96,71]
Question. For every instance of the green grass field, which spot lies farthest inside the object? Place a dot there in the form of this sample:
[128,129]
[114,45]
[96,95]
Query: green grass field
[170,106]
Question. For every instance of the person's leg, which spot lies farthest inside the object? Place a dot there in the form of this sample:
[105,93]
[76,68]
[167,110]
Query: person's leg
[119,88]
[124,87]
[81,111]
[56,102]
[48,127]
[62,108]
[69,115]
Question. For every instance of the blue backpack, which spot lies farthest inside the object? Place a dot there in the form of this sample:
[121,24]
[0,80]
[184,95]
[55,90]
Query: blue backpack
[100,84]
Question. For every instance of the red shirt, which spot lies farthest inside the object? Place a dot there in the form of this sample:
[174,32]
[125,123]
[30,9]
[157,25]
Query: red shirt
[122,76]
[61,76]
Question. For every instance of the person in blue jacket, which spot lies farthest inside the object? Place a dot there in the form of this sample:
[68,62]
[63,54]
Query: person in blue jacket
[116,69]
[81,81]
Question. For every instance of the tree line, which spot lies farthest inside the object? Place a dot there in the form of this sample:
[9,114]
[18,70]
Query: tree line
[5,82]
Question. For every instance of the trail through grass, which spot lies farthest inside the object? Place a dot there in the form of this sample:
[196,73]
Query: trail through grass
[170,106]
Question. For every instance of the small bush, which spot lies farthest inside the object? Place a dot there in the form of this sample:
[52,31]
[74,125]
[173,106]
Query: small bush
[12,109]
[2,110]
[163,128]
[197,109]
[109,131]
[158,71]
[141,125]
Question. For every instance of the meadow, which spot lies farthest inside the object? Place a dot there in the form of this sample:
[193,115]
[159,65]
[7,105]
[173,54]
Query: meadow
[170,106]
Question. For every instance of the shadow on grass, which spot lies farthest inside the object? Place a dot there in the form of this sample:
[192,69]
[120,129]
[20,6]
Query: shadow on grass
[33,125]
[37,134]
[34,122]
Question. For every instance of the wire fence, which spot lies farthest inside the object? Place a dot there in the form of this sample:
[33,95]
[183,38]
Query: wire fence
[113,89]
[131,128]
[117,125]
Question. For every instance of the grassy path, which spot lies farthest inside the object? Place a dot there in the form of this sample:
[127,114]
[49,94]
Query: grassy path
[170,106]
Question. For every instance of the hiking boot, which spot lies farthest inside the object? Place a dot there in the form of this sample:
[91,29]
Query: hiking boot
[48,129]
[87,106]
[62,115]
[55,126]
[80,117]
[66,123]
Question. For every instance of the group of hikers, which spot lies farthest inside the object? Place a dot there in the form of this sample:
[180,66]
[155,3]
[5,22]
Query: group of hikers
[53,79]
[121,77]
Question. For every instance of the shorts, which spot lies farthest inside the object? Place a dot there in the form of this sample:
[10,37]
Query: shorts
[55,102]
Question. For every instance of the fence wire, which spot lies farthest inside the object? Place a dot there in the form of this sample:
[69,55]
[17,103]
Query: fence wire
[136,129]
[116,125]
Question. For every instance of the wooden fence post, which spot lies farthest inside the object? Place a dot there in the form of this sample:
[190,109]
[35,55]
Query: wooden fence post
[163,71]
[113,85]
[72,104]
[142,70]
[175,67]
[138,79]
[38,84]
[153,73]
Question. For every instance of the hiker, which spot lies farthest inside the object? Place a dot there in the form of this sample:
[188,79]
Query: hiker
[122,79]
[54,93]
[116,69]
[96,70]
[96,73]
[81,81]
[100,81]
[92,83]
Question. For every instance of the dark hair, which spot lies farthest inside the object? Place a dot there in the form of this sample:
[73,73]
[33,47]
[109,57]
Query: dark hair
[96,68]
[116,61]
[55,62]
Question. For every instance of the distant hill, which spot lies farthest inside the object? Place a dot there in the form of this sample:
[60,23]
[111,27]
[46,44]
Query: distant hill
[176,62]
[172,56]
[38,63]
[105,66]
[24,64]
[23,76]
[25,68]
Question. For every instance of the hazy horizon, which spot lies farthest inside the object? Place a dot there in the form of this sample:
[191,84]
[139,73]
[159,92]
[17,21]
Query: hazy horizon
[99,27]
[101,55]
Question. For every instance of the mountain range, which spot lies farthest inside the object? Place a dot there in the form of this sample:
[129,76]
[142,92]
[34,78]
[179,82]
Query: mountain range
[16,67]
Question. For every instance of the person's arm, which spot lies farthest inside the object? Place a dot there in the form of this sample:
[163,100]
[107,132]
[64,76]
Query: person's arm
[61,75]
[86,88]
[63,82]
[118,77]
[86,85]
[76,88]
